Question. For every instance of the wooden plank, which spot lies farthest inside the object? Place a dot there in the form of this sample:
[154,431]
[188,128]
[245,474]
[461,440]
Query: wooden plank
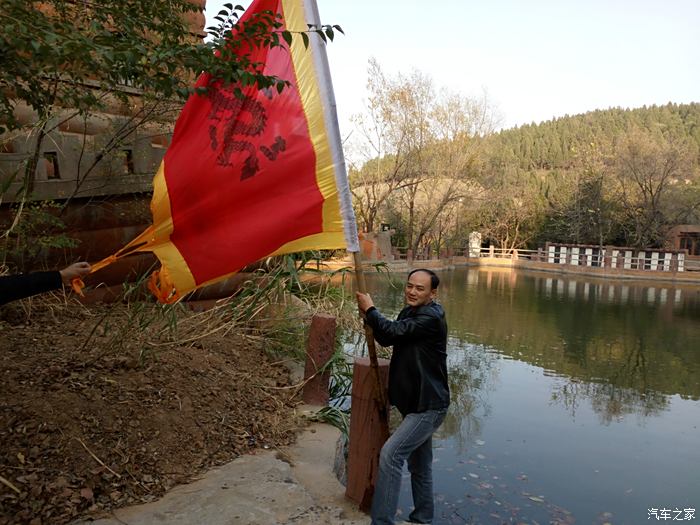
[320,348]
[367,433]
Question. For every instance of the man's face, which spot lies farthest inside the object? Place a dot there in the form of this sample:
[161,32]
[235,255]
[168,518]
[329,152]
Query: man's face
[418,290]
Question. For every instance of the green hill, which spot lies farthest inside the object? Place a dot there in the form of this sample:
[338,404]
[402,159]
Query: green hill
[555,143]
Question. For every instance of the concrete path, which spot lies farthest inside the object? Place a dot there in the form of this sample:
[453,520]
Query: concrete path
[291,486]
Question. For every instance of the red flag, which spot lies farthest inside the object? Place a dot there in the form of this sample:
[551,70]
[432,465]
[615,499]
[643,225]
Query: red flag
[251,176]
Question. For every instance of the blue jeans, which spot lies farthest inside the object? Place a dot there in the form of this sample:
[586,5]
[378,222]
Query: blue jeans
[412,441]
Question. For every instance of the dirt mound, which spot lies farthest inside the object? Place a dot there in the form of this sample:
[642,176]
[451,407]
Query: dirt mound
[95,415]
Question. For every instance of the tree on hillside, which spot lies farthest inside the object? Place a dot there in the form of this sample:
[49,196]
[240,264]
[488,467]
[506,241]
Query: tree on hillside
[591,194]
[510,213]
[553,144]
[649,167]
[584,209]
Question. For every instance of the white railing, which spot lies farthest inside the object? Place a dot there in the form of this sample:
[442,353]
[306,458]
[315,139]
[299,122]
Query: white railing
[584,256]
[616,257]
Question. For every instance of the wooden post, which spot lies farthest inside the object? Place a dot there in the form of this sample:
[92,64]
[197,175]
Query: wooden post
[607,257]
[319,350]
[377,428]
[367,432]
[380,392]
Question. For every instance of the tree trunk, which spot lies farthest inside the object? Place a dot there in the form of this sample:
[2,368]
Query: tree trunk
[410,225]
[29,175]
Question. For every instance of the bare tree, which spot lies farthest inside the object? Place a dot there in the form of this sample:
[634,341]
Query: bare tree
[459,124]
[648,167]
[383,147]
[418,150]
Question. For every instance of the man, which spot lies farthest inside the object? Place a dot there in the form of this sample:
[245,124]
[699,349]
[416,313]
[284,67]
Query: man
[14,287]
[418,388]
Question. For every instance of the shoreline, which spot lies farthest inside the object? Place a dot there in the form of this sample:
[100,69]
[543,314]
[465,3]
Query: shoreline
[290,485]
[687,278]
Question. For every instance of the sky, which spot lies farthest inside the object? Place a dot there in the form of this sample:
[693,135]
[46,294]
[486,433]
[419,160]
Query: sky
[535,59]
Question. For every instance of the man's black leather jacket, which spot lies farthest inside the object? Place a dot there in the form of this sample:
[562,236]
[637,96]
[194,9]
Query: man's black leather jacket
[418,369]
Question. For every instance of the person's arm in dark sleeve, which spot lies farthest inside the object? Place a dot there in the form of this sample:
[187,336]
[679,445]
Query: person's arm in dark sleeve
[13,287]
[388,332]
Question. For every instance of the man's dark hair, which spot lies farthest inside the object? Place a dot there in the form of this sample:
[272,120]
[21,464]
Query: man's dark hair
[434,279]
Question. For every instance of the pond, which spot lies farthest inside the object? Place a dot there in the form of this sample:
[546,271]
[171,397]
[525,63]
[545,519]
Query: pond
[573,401]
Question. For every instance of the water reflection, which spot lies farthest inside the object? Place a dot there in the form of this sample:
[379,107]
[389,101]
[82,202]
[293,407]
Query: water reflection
[623,346]
[615,292]
[610,402]
[472,376]
[627,336]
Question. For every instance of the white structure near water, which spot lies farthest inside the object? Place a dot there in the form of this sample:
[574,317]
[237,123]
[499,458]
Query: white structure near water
[610,257]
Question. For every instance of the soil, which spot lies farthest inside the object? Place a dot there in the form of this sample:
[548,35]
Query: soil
[99,408]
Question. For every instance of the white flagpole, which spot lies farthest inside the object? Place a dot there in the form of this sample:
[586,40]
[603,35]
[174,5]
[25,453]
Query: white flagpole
[341,177]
